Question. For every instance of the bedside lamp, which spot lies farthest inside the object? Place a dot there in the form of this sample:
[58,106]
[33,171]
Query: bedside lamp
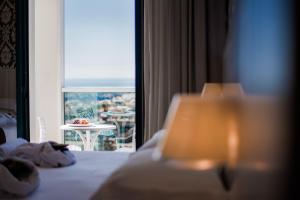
[200,132]
[222,90]
[212,90]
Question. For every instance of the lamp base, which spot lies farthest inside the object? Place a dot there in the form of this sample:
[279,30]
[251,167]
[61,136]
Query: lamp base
[226,176]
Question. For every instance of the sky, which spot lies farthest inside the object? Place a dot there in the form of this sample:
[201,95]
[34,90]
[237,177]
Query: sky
[99,39]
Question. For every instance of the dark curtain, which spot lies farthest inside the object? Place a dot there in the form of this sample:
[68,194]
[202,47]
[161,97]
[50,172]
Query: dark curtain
[184,43]
[22,67]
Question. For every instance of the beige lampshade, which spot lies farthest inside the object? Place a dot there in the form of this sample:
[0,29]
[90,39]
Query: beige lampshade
[200,130]
[209,131]
[222,89]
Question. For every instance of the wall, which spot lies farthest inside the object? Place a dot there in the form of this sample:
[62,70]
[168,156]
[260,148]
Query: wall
[7,54]
[45,66]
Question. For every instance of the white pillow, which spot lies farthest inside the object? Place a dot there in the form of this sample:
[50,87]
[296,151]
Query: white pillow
[3,119]
[143,178]
[6,119]
[10,132]
[150,144]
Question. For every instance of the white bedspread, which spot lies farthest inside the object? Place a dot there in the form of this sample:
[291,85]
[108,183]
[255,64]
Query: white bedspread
[78,181]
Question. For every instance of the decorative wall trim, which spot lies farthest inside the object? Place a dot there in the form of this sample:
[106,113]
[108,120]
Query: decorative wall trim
[7,34]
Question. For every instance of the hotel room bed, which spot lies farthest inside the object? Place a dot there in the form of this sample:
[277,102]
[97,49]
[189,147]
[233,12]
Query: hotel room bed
[125,176]
[78,181]
[119,175]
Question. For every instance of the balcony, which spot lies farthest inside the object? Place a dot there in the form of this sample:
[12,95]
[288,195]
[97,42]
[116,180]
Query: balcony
[103,105]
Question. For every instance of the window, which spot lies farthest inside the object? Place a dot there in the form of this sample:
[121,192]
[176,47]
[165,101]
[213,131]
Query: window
[99,77]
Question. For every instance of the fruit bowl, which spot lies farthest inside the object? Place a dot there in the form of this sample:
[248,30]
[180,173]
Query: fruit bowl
[81,125]
[80,122]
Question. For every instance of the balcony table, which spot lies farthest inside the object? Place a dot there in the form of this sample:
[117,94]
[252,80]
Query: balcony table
[120,118]
[84,133]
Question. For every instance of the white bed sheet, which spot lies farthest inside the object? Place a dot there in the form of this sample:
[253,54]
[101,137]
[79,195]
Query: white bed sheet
[78,181]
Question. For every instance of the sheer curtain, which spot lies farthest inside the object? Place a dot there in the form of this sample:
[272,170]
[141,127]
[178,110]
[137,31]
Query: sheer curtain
[184,42]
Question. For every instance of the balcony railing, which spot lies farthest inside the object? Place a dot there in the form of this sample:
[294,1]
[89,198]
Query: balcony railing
[114,105]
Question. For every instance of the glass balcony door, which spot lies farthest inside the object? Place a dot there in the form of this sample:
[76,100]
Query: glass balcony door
[99,77]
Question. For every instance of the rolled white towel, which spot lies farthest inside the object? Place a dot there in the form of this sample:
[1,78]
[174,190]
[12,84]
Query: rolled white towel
[44,155]
[8,147]
[18,177]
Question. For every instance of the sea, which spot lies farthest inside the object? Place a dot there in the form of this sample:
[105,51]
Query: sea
[99,83]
